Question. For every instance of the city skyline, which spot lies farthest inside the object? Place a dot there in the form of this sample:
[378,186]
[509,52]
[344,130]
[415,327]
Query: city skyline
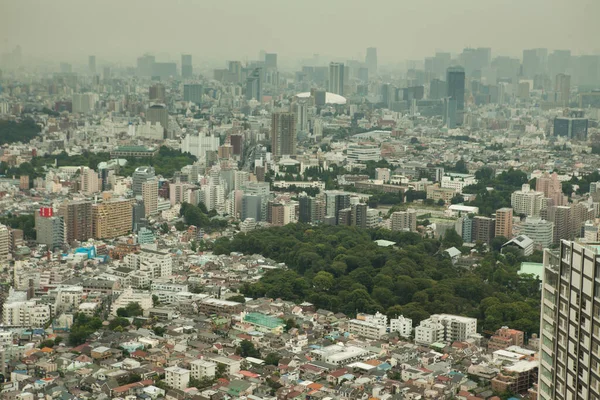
[214,38]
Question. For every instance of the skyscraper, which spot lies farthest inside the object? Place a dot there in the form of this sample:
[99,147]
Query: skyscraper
[271,60]
[535,61]
[455,79]
[77,217]
[570,322]
[158,113]
[562,89]
[193,92]
[186,66]
[559,61]
[145,64]
[149,191]
[371,60]
[254,85]
[336,78]
[92,64]
[283,134]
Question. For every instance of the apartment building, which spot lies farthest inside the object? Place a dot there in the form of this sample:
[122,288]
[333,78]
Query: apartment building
[112,218]
[445,328]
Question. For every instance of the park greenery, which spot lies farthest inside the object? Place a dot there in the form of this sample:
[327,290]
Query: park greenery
[25,222]
[201,218]
[23,131]
[341,269]
[166,162]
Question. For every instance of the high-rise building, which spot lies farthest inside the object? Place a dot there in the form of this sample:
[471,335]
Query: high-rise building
[89,181]
[157,93]
[92,64]
[572,128]
[306,209]
[483,229]
[404,220]
[112,218]
[570,322]
[437,89]
[186,66]
[336,201]
[77,217]
[149,192]
[504,222]
[336,78]
[145,64]
[158,113]
[552,188]
[5,248]
[562,89]
[50,229]
[535,62]
[254,85]
[455,81]
[559,62]
[539,230]
[83,102]
[271,60]
[251,207]
[200,144]
[164,70]
[283,134]
[527,201]
[193,93]
[371,60]
[141,175]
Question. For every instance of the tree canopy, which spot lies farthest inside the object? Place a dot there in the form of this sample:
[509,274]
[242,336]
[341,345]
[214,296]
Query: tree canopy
[342,269]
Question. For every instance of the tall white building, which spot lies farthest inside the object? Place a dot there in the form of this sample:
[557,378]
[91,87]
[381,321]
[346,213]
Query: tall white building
[401,325]
[84,102]
[4,243]
[150,197]
[363,152]
[527,201]
[445,328]
[199,144]
[177,378]
[89,182]
[570,323]
[144,299]
[538,230]
[19,311]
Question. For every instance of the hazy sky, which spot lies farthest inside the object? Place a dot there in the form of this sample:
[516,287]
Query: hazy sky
[237,29]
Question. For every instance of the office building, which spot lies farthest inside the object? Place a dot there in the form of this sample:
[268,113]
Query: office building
[50,229]
[336,78]
[254,85]
[570,322]
[437,89]
[535,62]
[404,220]
[157,93]
[504,222]
[193,93]
[145,65]
[92,65]
[83,103]
[77,217]
[371,60]
[283,134]
[141,175]
[158,113]
[539,230]
[455,86]
[363,152]
[200,144]
[186,66]
[164,70]
[571,128]
[252,207]
[527,201]
[271,60]
[562,89]
[310,210]
[456,181]
[445,328]
[450,116]
[559,61]
[112,218]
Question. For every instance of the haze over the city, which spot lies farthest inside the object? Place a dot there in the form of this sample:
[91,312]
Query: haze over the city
[119,31]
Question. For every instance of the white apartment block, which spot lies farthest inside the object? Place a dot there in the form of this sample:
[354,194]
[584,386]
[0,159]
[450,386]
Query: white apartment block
[4,243]
[401,325]
[527,201]
[67,297]
[201,369]
[366,329]
[177,378]
[457,181]
[570,323]
[445,328]
[158,264]
[144,299]
[25,313]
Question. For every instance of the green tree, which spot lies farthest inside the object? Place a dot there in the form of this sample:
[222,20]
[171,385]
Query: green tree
[272,359]
[247,349]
